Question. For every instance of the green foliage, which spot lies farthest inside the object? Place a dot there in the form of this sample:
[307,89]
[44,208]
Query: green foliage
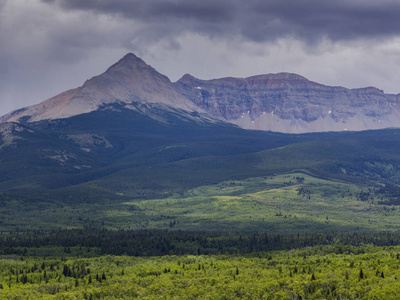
[307,273]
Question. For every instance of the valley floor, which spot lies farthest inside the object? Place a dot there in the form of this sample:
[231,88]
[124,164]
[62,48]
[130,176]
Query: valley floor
[333,240]
[286,203]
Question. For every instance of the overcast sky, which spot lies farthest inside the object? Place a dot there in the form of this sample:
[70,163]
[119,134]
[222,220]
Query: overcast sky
[49,46]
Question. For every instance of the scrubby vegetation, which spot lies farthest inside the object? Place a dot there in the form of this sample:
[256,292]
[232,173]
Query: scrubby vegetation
[320,272]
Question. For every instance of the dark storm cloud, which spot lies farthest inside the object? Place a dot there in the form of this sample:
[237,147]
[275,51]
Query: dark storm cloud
[336,20]
[256,20]
[205,10]
[166,18]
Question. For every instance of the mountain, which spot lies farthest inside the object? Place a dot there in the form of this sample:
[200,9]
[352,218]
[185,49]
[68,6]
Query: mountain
[132,116]
[131,134]
[128,81]
[280,102]
[290,103]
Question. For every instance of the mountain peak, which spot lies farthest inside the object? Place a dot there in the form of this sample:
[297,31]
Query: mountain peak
[130,62]
[128,81]
[187,78]
[130,56]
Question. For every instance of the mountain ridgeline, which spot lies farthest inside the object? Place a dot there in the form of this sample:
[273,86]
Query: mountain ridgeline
[280,102]
[130,133]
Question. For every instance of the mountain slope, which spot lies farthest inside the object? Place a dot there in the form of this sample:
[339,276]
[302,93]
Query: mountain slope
[62,152]
[119,150]
[366,158]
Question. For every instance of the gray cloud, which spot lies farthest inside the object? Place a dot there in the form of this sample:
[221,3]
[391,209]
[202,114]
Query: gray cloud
[204,11]
[336,20]
[257,20]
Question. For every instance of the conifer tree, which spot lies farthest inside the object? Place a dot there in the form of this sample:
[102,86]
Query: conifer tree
[361,274]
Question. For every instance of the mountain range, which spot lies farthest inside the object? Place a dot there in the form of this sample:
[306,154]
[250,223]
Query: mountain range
[280,102]
[130,133]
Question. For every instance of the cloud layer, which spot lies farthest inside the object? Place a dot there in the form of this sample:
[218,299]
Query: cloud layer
[49,46]
[256,20]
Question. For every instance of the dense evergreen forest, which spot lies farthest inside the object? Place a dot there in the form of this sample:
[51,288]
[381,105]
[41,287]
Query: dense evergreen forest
[165,242]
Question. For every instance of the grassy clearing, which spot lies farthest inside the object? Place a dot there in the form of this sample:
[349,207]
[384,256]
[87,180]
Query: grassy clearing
[286,203]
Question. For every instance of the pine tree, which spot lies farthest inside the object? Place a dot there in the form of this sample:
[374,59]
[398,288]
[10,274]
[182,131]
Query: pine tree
[361,274]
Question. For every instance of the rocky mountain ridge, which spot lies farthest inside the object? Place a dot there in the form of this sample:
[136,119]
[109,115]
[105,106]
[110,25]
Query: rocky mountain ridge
[290,103]
[282,102]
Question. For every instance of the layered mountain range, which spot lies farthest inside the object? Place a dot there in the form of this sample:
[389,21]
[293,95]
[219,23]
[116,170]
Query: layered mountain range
[281,102]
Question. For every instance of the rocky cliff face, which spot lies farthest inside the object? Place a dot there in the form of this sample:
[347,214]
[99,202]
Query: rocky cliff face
[290,103]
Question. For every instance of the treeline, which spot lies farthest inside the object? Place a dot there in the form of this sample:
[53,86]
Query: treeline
[164,242]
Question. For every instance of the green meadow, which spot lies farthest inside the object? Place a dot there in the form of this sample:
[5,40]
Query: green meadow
[287,203]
